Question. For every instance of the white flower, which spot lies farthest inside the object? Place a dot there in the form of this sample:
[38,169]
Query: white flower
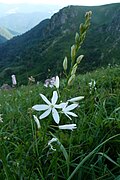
[68,126]
[37,121]
[92,85]
[76,99]
[57,82]
[14,82]
[1,119]
[67,109]
[50,143]
[48,107]
[31,79]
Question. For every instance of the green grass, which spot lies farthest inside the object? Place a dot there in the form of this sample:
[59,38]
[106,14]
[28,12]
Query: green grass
[93,149]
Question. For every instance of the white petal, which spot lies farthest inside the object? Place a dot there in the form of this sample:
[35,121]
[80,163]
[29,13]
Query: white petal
[52,140]
[68,116]
[61,105]
[54,97]
[40,107]
[37,121]
[45,99]
[45,114]
[55,115]
[72,114]
[76,99]
[68,126]
[45,85]
[50,85]
[57,82]
[71,107]
[52,147]
[50,143]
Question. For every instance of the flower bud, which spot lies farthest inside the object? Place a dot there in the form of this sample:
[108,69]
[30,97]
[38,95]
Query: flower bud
[37,121]
[68,127]
[88,14]
[78,98]
[79,59]
[74,69]
[65,64]
[57,82]
[77,38]
[73,51]
[82,28]
[71,79]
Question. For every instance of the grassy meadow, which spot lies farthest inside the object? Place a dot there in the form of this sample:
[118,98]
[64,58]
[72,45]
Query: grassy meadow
[92,151]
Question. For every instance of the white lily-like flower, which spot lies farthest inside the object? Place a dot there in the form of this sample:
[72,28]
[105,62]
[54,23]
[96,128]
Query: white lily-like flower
[50,143]
[68,126]
[49,107]
[76,99]
[57,82]
[37,121]
[67,109]
[1,119]
[92,85]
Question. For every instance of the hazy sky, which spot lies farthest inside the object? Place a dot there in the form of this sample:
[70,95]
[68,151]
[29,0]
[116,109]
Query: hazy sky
[63,2]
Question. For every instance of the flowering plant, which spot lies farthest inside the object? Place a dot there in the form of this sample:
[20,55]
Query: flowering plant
[58,107]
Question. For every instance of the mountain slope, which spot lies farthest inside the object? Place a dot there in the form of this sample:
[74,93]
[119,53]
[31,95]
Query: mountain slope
[2,39]
[22,17]
[21,22]
[45,46]
[6,34]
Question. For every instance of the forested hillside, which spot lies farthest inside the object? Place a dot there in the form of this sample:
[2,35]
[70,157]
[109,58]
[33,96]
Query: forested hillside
[44,47]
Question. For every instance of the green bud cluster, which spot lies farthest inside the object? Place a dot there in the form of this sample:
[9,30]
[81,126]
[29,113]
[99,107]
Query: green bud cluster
[79,39]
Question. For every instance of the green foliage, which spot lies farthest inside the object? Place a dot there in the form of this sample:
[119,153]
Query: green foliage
[93,146]
[45,46]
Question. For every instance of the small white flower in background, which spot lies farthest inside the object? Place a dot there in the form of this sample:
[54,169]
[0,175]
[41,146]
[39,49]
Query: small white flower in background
[76,99]
[49,107]
[68,126]
[50,143]
[67,109]
[92,85]
[1,119]
[31,79]
[38,82]
[6,138]
[37,121]
[14,82]
[57,82]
